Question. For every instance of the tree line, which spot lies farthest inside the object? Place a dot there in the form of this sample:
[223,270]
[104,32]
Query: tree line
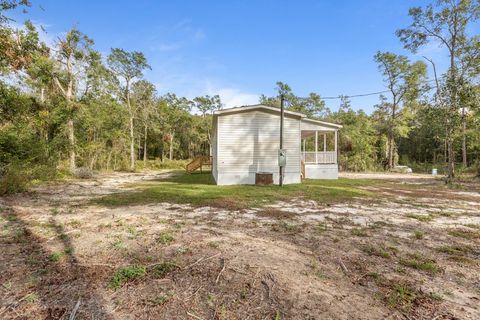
[418,120]
[66,109]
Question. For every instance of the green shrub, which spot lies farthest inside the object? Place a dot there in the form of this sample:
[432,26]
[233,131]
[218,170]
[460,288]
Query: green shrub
[477,169]
[24,155]
[14,179]
[16,176]
[418,167]
[83,173]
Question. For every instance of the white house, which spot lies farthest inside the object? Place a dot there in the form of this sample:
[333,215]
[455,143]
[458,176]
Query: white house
[246,140]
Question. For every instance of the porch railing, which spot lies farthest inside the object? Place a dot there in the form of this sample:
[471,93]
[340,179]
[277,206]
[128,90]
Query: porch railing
[328,157]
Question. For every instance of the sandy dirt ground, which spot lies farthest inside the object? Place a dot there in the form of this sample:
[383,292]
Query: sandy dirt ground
[413,253]
[387,176]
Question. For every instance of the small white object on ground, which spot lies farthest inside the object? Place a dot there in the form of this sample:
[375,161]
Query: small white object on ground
[402,169]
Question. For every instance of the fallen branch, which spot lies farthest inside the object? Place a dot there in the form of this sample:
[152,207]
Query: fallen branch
[270,275]
[79,264]
[238,271]
[406,316]
[360,277]
[268,288]
[75,309]
[201,260]
[194,316]
[344,268]
[221,271]
[194,293]
[14,304]
[255,277]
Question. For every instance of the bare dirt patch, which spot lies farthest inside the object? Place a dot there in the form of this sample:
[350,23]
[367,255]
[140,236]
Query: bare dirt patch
[413,253]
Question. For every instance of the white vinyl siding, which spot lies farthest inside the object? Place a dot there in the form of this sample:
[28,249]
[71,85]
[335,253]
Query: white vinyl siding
[214,149]
[248,142]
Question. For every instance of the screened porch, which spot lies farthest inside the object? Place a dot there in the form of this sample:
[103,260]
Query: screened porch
[319,147]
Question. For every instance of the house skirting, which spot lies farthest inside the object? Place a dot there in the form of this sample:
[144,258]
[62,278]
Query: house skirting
[321,171]
[249,178]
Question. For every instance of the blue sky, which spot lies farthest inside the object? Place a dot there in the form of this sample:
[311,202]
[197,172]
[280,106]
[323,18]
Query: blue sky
[239,49]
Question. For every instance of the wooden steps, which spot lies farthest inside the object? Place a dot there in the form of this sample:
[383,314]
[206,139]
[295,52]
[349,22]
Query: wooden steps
[198,163]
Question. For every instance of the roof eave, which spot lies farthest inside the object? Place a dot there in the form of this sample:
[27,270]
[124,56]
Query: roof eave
[255,107]
[328,124]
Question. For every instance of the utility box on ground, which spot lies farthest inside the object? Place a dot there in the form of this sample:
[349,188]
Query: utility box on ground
[263,178]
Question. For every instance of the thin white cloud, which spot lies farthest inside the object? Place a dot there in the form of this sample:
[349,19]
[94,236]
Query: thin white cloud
[42,29]
[431,48]
[232,97]
[199,35]
[190,87]
[436,52]
[182,24]
[166,47]
[176,38]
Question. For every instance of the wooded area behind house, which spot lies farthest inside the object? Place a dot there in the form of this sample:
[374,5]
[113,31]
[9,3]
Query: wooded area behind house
[66,109]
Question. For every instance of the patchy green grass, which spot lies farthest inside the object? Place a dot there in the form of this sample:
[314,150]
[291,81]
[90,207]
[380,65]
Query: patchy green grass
[199,190]
[419,262]
[420,217]
[126,274]
[359,232]
[183,249]
[74,223]
[159,300]
[401,295]
[165,238]
[466,234]
[214,244]
[58,255]
[321,227]
[31,297]
[284,226]
[132,232]
[119,244]
[376,250]
[457,250]
[164,268]
[418,234]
